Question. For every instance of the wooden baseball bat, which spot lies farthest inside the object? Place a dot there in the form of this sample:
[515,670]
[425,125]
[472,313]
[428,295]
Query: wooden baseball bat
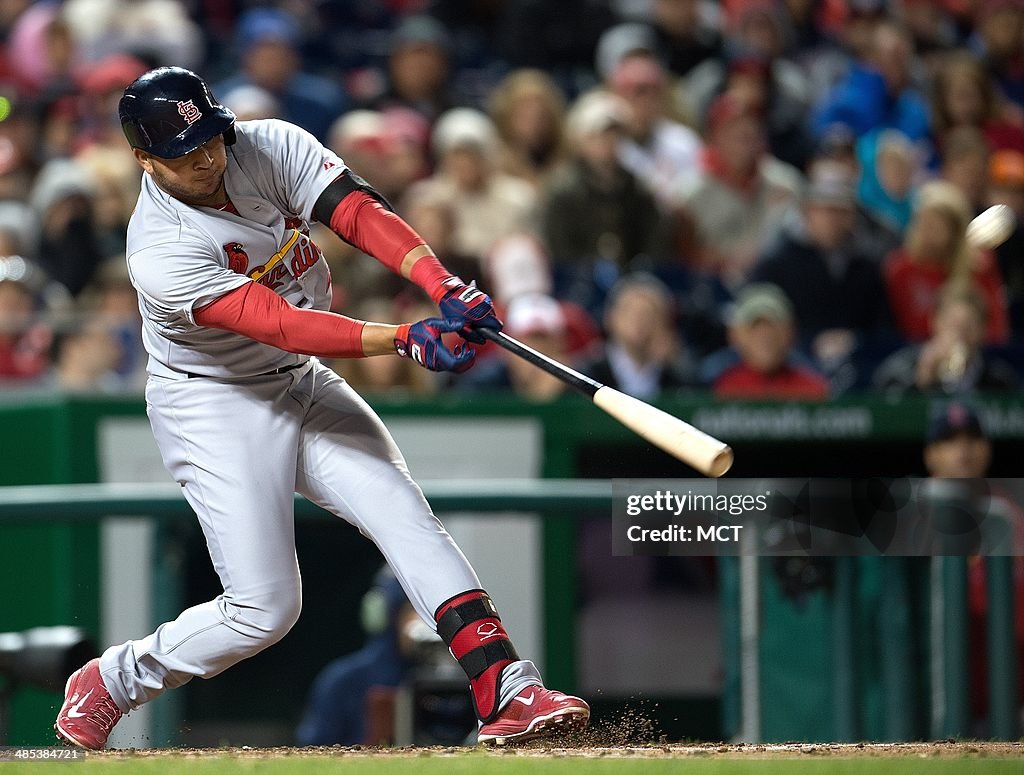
[680,439]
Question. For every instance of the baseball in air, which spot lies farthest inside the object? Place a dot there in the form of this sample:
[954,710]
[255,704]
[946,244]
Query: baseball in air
[992,227]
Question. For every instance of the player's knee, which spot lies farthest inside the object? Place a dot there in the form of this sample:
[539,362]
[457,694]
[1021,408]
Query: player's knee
[268,618]
[282,613]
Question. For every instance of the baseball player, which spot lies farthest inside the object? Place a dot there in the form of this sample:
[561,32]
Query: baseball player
[233,296]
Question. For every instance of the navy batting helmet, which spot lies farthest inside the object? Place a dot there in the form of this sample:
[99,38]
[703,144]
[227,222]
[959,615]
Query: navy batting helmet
[170,111]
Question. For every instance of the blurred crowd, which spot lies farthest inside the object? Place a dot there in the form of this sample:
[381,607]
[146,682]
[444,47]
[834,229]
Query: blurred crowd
[756,198]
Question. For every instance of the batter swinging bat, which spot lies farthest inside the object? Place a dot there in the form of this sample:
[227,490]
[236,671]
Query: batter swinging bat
[680,439]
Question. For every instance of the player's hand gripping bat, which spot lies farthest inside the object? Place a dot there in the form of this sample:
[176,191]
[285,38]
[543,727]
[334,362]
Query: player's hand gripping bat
[680,439]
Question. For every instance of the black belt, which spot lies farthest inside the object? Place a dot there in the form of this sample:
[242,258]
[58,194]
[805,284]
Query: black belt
[280,370]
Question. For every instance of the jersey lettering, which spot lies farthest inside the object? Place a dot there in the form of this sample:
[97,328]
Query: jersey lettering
[275,278]
[304,257]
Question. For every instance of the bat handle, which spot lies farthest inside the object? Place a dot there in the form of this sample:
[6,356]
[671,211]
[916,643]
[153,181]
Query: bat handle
[579,382]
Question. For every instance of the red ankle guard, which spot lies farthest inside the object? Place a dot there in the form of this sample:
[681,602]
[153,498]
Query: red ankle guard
[470,625]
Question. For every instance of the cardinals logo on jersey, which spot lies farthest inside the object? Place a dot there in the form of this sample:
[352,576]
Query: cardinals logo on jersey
[189,111]
[238,259]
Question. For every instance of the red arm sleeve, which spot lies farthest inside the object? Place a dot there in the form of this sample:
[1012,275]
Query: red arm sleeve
[258,313]
[375,230]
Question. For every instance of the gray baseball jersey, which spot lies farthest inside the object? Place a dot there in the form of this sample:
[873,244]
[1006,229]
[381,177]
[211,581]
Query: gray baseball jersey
[182,257]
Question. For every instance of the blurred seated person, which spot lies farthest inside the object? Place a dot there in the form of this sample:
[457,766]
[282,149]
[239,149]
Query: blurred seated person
[836,156]
[1006,186]
[642,355]
[952,361]
[86,358]
[268,43]
[528,109]
[389,146]
[25,338]
[598,219]
[661,152]
[836,291]
[418,69]
[762,332]
[487,204]
[743,195]
[890,166]
[538,322]
[934,252]
[879,90]
[964,163]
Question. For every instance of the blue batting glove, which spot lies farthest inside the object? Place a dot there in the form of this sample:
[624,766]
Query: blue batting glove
[422,342]
[472,305]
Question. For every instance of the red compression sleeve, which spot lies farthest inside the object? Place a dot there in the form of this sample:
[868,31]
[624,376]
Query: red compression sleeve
[257,312]
[367,224]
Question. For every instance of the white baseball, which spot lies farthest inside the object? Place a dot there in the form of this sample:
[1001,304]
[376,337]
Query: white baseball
[992,227]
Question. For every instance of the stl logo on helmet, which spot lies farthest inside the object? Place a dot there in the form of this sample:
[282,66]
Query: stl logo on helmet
[189,111]
[238,259]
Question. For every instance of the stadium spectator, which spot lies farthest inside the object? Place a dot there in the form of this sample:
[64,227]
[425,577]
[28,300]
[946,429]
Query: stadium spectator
[686,33]
[63,201]
[155,31]
[836,291]
[998,40]
[964,163]
[878,92]
[836,156]
[115,183]
[934,252]
[250,103]
[1006,186]
[754,65]
[268,43]
[662,153]
[952,361]
[890,165]
[85,359]
[528,110]
[25,338]
[102,87]
[419,69]
[964,94]
[487,204]
[598,219]
[743,194]
[642,355]
[762,333]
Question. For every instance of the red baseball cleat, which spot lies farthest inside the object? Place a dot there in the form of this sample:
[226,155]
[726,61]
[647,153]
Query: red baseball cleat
[89,713]
[535,712]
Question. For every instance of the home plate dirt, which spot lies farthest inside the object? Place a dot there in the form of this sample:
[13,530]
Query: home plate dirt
[945,749]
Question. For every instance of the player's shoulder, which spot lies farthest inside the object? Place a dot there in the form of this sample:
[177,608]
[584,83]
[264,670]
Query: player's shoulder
[159,219]
[266,133]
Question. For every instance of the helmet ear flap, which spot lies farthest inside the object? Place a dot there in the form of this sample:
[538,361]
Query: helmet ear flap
[229,135]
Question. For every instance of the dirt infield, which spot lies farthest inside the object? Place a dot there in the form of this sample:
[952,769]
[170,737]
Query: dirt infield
[940,750]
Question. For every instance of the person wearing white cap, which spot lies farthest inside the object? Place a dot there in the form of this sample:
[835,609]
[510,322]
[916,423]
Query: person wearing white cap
[486,203]
[598,218]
